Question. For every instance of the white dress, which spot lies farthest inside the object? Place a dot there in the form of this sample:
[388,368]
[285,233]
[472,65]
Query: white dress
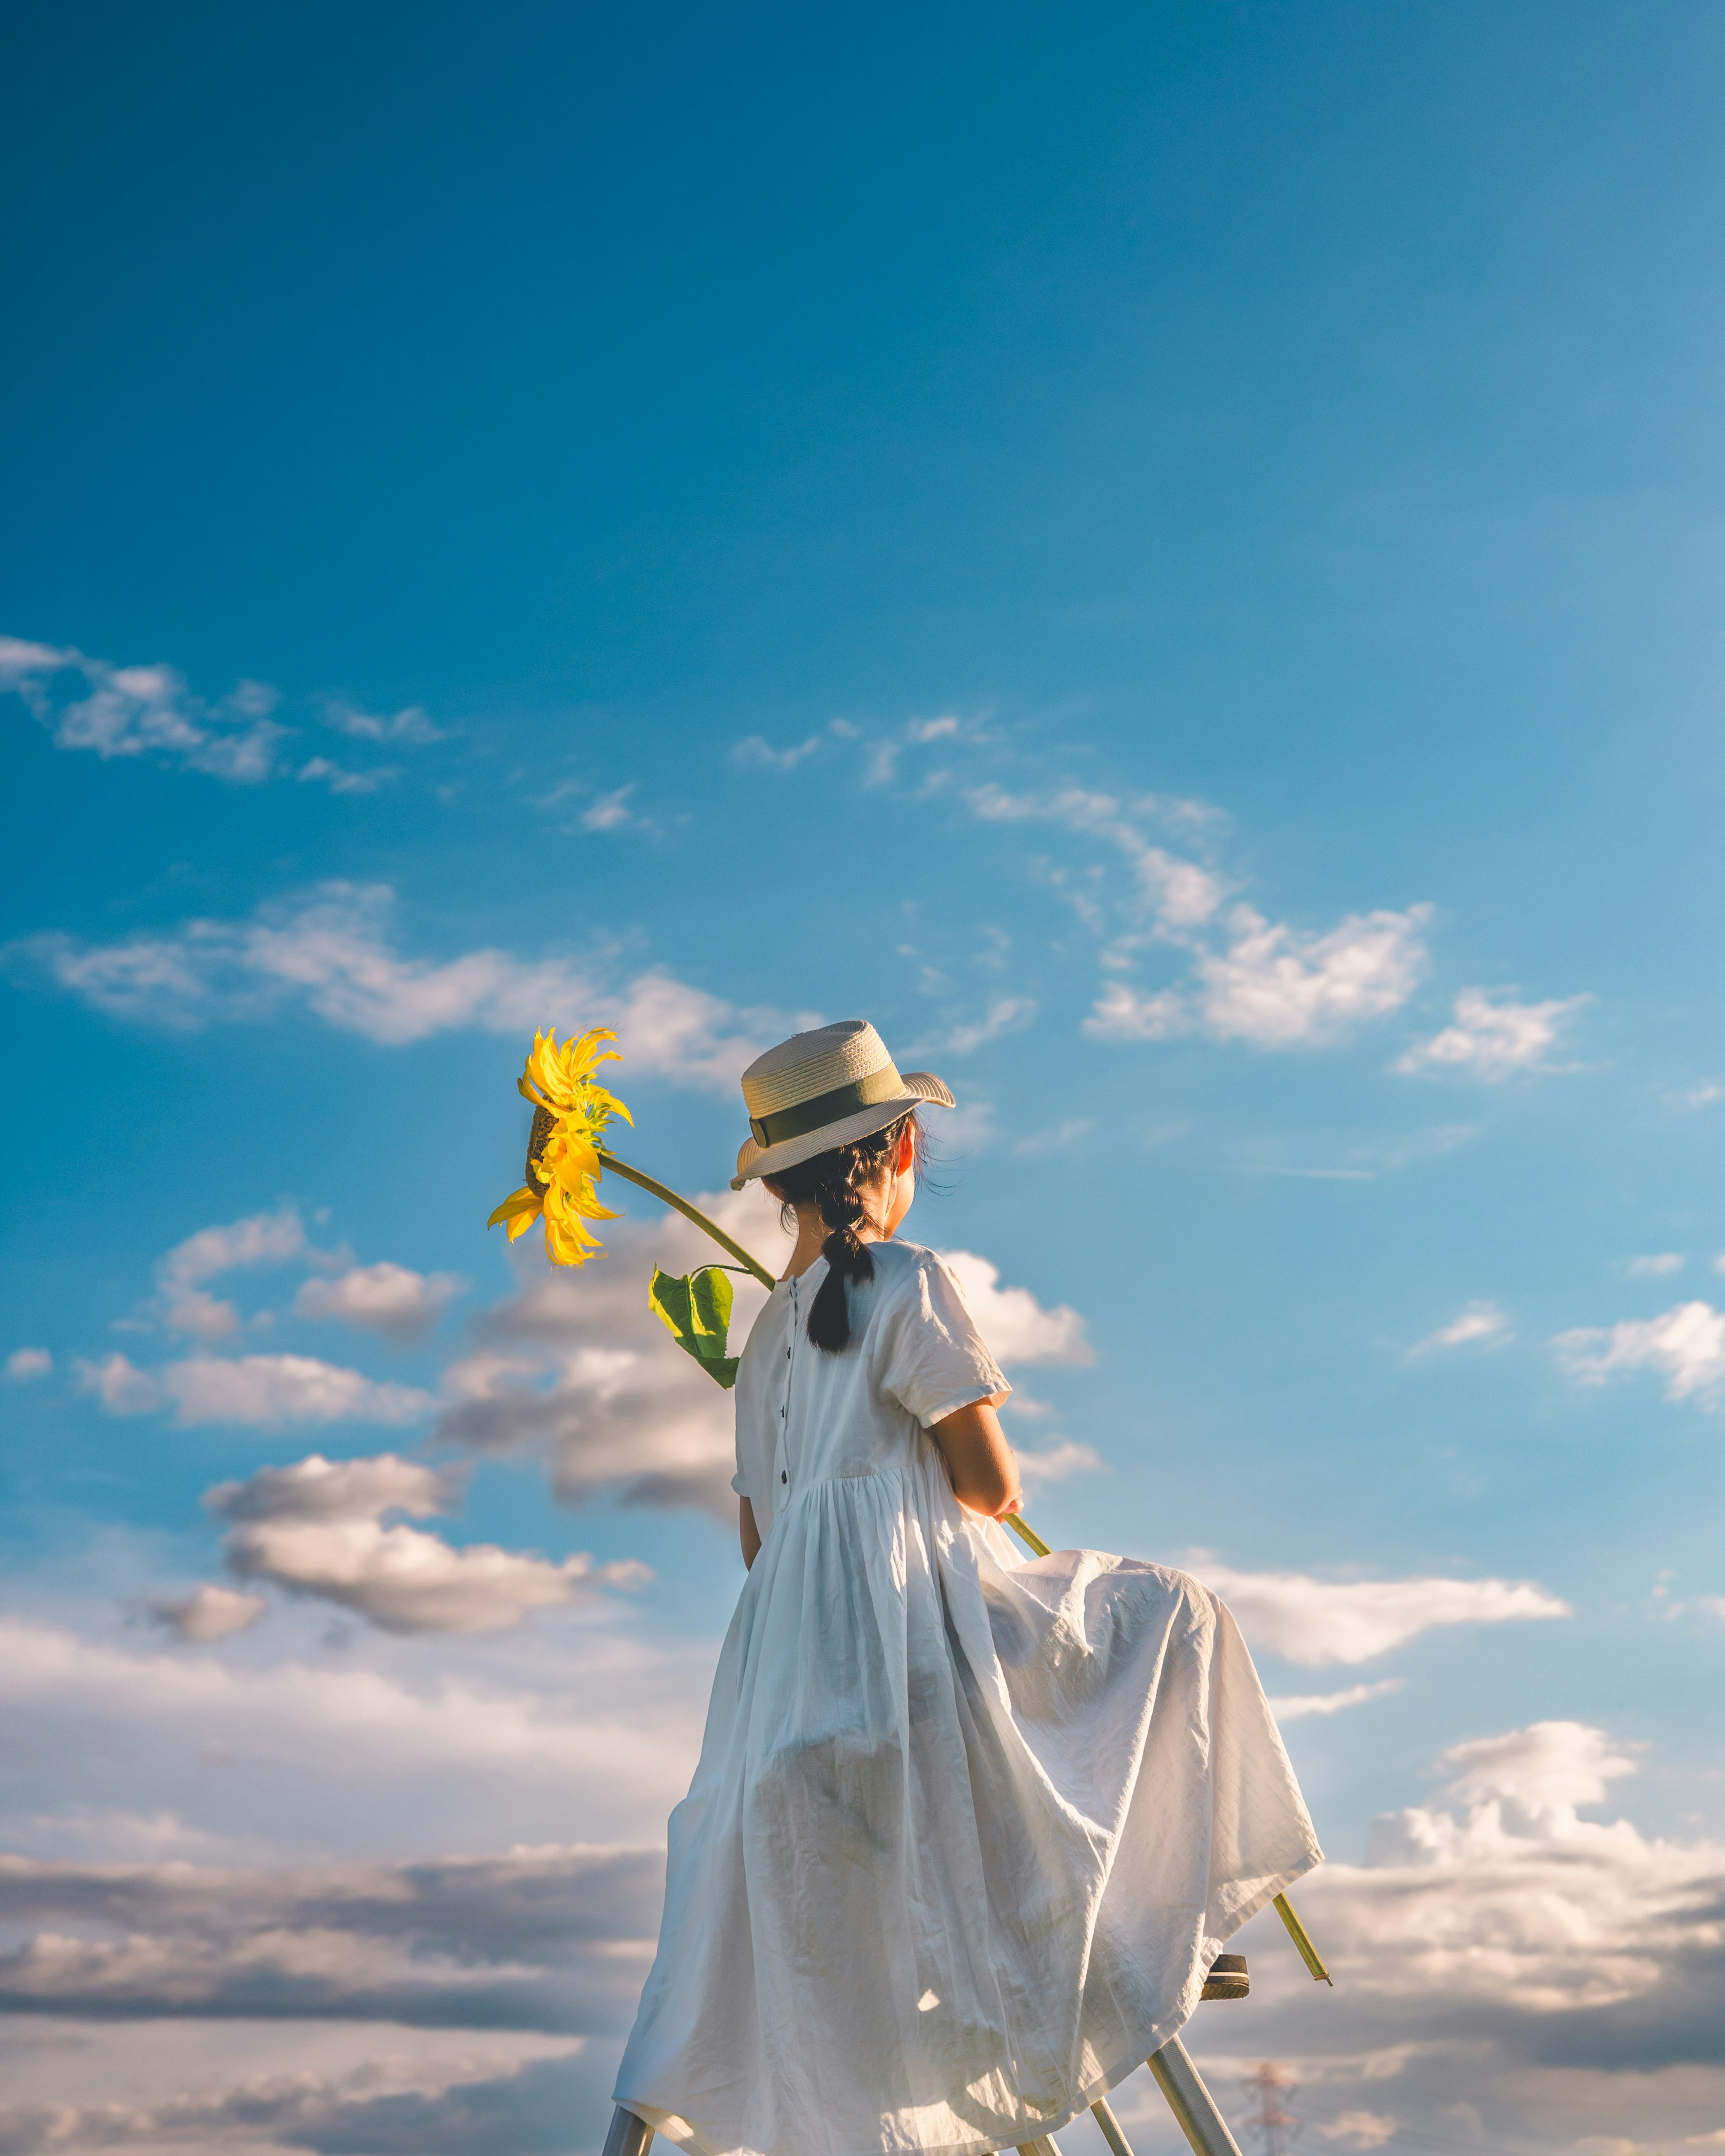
[967,1830]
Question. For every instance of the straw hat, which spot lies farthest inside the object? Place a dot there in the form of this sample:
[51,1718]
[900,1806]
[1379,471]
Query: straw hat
[823,1089]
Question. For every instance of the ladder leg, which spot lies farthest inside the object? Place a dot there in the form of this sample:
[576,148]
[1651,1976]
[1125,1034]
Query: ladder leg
[1191,2103]
[629,2135]
[1110,2125]
[1044,2144]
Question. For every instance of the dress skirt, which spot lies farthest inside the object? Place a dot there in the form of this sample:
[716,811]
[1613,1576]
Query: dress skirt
[965,1835]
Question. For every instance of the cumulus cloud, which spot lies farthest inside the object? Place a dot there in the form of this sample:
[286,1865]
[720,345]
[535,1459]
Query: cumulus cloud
[318,1529]
[1275,986]
[550,1939]
[259,1391]
[142,710]
[390,1299]
[574,1368]
[24,1365]
[331,951]
[364,1741]
[1480,1324]
[208,1612]
[264,1239]
[1316,1621]
[1016,1326]
[1492,1037]
[1685,1345]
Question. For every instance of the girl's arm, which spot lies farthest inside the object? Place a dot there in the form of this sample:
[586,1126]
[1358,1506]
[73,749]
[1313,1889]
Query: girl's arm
[979,1461]
[748,1533]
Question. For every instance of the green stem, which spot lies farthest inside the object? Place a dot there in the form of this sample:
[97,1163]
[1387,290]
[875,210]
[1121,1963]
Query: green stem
[669,1197]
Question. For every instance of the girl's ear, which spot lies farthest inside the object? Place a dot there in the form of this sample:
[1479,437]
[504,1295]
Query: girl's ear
[904,1158]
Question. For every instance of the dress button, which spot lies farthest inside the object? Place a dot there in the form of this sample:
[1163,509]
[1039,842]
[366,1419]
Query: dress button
[782,1476]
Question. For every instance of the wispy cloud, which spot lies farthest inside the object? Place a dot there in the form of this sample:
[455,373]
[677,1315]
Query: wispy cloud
[318,770]
[1492,1037]
[331,951]
[321,1528]
[1055,1462]
[117,712]
[24,1365]
[410,725]
[1480,1324]
[1302,1706]
[1685,1346]
[1656,1264]
[1004,1014]
[757,753]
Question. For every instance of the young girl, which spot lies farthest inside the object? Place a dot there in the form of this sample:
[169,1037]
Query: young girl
[967,1831]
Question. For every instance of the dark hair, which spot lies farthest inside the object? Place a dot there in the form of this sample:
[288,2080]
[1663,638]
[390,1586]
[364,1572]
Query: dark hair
[832,1181]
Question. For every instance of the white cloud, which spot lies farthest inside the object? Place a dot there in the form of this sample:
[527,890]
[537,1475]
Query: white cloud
[1492,1037]
[331,950]
[263,1238]
[1362,2129]
[1004,1014]
[317,1529]
[1276,986]
[1056,1461]
[1060,1137]
[1655,1265]
[410,724]
[1480,1324]
[390,1744]
[25,1365]
[758,754]
[208,1612]
[1010,1319]
[611,812]
[1685,1345]
[258,1391]
[968,1128]
[1316,1621]
[1181,893]
[1301,1706]
[392,1300]
[319,771]
[142,710]
[573,1366]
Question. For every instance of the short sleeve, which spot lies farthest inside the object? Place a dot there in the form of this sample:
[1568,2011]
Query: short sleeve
[933,1360]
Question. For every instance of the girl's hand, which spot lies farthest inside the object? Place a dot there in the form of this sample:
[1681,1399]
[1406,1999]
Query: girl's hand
[980,1464]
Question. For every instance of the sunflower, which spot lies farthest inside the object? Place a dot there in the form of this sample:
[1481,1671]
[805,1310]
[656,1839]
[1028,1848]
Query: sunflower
[571,1110]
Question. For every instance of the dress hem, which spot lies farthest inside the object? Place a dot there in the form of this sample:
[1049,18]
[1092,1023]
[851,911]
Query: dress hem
[1151,2042]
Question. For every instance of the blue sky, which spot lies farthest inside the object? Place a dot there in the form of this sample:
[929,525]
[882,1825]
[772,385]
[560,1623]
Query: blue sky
[1168,557]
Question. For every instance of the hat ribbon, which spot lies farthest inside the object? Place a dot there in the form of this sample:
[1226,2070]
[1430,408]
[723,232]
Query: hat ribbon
[802,1116]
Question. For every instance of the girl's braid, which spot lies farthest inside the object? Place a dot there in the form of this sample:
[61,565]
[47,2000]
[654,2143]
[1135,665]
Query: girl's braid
[830,1182]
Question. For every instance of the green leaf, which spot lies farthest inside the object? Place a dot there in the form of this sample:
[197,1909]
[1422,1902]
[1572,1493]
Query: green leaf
[695,1310]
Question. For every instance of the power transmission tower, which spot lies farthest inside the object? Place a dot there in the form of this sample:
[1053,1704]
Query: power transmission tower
[1274,2125]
